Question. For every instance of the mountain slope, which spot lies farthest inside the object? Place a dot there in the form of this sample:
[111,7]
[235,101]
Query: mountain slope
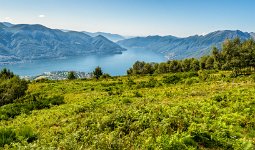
[179,48]
[7,24]
[253,35]
[112,37]
[28,42]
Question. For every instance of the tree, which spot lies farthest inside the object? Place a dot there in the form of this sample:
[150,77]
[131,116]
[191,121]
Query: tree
[147,69]
[203,62]
[209,64]
[186,65]
[11,87]
[6,74]
[97,72]
[130,71]
[175,66]
[162,68]
[194,65]
[217,58]
[71,75]
[247,54]
[138,67]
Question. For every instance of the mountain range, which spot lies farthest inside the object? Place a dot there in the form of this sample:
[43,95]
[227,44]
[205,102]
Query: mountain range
[23,42]
[29,42]
[179,48]
[110,36]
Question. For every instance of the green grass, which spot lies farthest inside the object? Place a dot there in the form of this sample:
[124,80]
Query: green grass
[146,112]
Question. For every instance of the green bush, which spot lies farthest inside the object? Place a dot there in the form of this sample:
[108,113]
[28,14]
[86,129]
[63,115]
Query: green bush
[12,89]
[192,80]
[27,104]
[203,75]
[137,94]
[187,74]
[172,79]
[253,77]
[105,76]
[26,133]
[9,135]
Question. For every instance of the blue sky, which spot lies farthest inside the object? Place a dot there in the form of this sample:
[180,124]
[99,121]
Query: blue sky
[134,17]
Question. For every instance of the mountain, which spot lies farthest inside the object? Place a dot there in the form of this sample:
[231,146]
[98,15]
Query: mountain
[253,35]
[112,37]
[7,24]
[28,42]
[179,48]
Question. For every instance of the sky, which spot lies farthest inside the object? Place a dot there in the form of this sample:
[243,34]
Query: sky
[134,17]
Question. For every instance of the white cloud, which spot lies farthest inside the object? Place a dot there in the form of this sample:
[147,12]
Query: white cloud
[41,16]
[8,19]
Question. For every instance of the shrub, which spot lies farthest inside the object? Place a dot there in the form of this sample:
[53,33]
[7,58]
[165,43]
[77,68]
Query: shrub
[187,74]
[27,104]
[203,75]
[105,76]
[172,79]
[219,98]
[130,82]
[253,77]
[26,133]
[7,136]
[12,89]
[137,94]
[190,81]
[126,101]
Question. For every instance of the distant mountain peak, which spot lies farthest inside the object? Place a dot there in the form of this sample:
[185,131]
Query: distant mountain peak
[7,24]
[110,36]
[37,27]
[101,37]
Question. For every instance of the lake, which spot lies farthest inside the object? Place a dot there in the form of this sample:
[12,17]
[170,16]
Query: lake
[113,64]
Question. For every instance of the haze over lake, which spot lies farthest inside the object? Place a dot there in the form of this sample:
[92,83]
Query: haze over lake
[113,64]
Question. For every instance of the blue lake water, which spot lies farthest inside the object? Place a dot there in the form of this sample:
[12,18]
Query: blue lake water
[112,64]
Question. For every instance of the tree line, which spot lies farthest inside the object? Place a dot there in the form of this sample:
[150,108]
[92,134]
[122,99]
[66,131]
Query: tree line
[11,87]
[235,55]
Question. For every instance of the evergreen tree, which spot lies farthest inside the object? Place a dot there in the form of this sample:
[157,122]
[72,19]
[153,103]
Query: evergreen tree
[186,65]
[194,65]
[175,66]
[71,75]
[97,72]
[162,68]
[209,64]
[202,62]
[6,74]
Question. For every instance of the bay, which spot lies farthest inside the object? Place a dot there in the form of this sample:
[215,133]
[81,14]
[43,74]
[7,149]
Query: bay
[113,64]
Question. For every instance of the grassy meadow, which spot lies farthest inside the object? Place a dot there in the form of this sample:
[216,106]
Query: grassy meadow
[170,111]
